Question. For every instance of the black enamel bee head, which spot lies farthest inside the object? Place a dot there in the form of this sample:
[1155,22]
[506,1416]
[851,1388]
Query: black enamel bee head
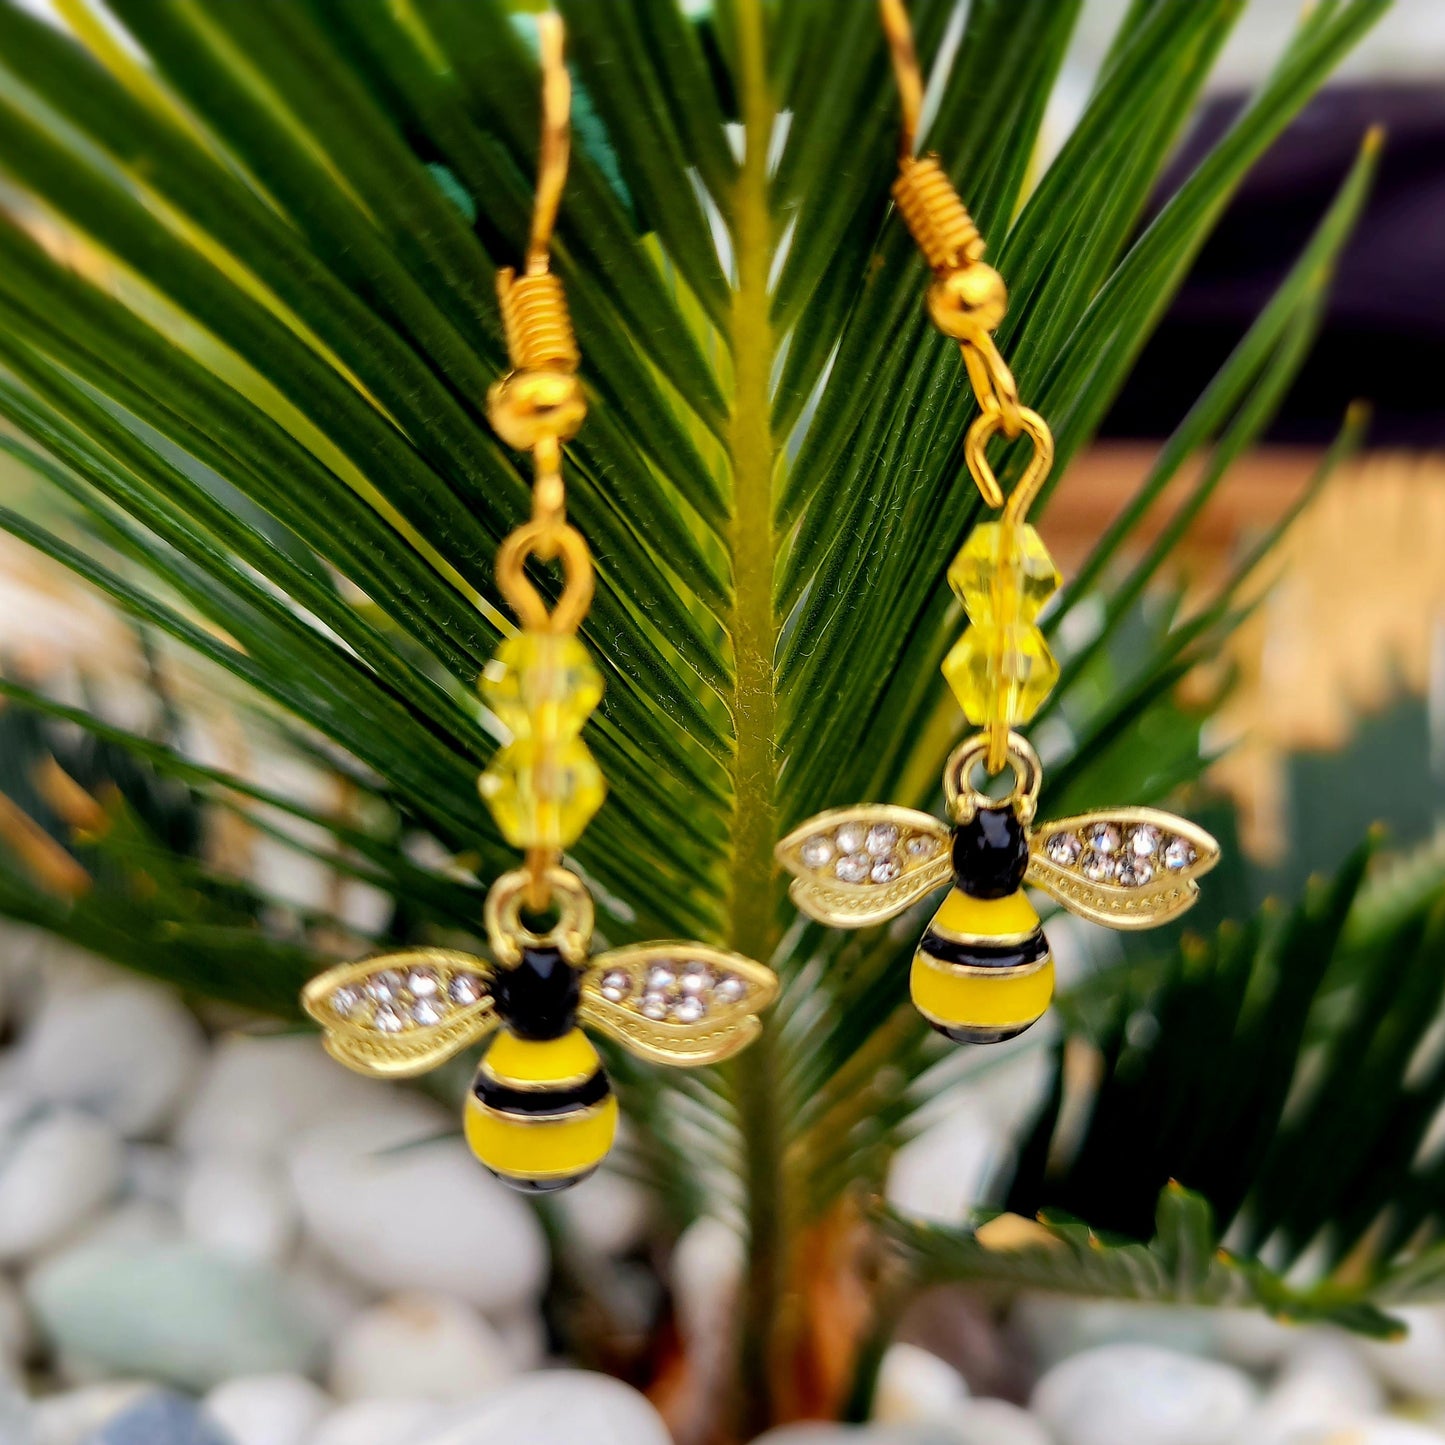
[990,853]
[537,998]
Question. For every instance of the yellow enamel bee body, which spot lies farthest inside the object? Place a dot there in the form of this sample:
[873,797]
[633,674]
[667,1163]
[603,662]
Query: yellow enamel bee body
[540,1113]
[983,971]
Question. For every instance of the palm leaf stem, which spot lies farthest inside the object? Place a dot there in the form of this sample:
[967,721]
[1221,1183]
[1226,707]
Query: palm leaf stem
[754,705]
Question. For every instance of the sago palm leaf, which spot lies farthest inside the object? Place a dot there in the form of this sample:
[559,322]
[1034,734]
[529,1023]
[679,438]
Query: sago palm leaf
[246,327]
[1273,1086]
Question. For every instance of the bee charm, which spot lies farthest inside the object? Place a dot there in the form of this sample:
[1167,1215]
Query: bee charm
[540,1114]
[983,971]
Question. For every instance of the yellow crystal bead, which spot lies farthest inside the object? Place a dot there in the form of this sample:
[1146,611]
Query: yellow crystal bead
[1000,673]
[544,786]
[542,685]
[543,794]
[1003,574]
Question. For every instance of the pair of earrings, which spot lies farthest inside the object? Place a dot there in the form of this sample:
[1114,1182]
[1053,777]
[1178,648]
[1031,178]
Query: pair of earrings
[541,1114]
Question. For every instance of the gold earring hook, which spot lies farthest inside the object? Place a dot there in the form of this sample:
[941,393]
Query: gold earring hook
[967,298]
[556,141]
[540,404]
[906,68]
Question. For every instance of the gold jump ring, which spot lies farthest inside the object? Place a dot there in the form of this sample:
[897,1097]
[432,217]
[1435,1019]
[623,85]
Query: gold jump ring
[508,935]
[964,800]
[546,540]
[975,455]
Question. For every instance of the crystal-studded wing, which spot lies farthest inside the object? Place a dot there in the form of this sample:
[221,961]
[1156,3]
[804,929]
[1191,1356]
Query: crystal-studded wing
[677,1003]
[856,866]
[1124,867]
[402,1013]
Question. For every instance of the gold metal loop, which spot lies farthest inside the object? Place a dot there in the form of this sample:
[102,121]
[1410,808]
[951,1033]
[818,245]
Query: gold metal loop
[549,495]
[994,385]
[556,141]
[508,935]
[964,800]
[906,68]
[546,541]
[1031,425]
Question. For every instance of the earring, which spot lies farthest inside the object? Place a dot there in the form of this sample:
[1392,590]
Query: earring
[540,1114]
[983,970]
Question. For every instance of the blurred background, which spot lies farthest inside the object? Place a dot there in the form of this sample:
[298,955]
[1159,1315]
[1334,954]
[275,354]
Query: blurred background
[210,1235]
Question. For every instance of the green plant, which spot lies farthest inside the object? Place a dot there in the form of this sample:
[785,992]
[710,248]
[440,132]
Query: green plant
[258,394]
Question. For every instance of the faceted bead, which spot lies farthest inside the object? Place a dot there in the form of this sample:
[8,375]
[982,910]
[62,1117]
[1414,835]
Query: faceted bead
[542,685]
[1000,674]
[543,796]
[1003,574]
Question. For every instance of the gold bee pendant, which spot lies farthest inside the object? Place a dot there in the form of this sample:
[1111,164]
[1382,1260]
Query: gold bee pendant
[540,1114]
[983,970]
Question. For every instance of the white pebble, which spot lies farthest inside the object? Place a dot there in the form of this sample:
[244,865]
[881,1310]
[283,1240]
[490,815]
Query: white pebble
[380,1422]
[816,1433]
[73,1416]
[943,1173]
[173,1312]
[914,1384]
[17,1418]
[1376,1430]
[1254,1339]
[65,969]
[707,1264]
[420,1346]
[22,951]
[131,1222]
[358,1182]
[59,1171]
[241,1206]
[554,1407]
[267,1409]
[606,1214]
[994,1422]
[1143,1395]
[1013,1088]
[1057,1327]
[282,873]
[523,1334]
[154,1172]
[333,1297]
[127,1052]
[1413,1365]
[256,1095]
[1324,1381]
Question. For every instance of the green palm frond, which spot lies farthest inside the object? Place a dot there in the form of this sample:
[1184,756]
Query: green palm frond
[1180,1263]
[246,328]
[1257,1127]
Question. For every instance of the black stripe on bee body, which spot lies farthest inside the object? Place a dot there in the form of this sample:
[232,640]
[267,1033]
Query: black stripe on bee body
[977,954]
[964,1034]
[535,1103]
[545,1185]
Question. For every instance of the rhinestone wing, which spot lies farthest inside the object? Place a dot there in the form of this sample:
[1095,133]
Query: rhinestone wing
[402,1013]
[677,1003]
[1124,867]
[856,866]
